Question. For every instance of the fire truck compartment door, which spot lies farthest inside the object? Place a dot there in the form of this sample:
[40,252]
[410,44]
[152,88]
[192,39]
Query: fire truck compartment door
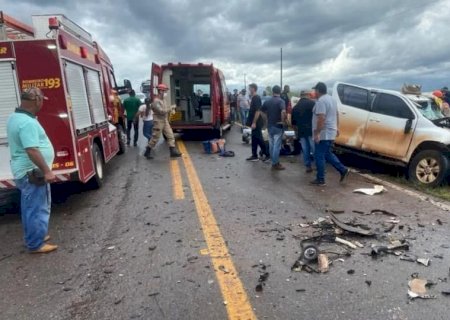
[9,95]
[77,91]
[95,93]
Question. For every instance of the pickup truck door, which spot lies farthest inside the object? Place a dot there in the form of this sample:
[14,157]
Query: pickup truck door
[354,109]
[156,78]
[390,128]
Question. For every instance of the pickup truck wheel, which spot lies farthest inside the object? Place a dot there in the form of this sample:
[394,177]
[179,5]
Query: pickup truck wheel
[122,139]
[97,180]
[429,168]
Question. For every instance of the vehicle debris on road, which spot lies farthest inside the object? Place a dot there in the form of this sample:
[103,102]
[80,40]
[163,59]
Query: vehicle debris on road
[418,289]
[377,189]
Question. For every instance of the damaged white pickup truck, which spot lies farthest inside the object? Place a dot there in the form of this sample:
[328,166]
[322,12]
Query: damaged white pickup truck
[396,129]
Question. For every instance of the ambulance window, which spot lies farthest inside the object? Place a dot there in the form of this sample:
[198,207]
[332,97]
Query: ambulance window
[202,89]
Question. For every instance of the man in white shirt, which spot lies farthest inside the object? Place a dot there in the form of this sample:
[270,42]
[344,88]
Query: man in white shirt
[243,104]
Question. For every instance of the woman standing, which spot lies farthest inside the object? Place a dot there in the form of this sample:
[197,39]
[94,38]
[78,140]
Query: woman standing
[146,113]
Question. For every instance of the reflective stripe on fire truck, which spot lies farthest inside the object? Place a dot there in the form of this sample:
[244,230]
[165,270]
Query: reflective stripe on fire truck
[10,184]
[7,184]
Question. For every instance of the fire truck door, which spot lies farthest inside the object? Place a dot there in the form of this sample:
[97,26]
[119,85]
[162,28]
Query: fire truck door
[9,94]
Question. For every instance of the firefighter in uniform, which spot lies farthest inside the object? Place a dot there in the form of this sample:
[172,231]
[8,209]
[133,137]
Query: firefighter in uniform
[161,113]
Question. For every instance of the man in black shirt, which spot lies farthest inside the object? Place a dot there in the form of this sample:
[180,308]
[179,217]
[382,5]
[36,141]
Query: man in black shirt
[275,110]
[256,122]
[302,119]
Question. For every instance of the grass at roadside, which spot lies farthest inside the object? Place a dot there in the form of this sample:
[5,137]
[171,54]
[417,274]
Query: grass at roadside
[442,192]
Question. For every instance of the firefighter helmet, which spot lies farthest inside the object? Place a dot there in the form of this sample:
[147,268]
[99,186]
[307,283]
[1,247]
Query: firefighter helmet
[162,87]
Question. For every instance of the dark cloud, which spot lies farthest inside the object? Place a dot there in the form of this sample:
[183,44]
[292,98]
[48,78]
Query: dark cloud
[381,43]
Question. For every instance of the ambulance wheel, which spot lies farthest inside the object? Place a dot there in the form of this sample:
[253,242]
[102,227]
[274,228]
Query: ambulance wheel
[97,180]
[122,139]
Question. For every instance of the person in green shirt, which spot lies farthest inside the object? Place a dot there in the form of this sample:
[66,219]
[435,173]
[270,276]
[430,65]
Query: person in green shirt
[131,106]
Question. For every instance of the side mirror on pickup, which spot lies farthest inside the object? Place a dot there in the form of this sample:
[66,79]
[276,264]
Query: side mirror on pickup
[408,126]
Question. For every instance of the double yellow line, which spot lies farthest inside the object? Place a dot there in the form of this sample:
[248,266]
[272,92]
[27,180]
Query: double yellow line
[235,297]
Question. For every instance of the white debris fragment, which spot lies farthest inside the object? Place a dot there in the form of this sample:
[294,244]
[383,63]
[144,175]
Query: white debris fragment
[111,248]
[424,261]
[371,191]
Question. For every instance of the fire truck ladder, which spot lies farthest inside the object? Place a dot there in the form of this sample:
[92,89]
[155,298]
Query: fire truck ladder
[11,28]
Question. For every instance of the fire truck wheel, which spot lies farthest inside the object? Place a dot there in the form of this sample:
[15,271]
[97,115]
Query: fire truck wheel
[122,139]
[97,181]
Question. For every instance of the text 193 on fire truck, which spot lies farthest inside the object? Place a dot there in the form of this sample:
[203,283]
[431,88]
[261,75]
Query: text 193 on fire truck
[83,116]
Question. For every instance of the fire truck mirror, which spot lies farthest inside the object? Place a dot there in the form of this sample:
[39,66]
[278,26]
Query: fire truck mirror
[127,84]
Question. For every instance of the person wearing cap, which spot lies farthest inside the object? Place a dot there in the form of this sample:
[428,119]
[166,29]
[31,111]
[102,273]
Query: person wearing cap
[131,106]
[161,112]
[302,114]
[32,157]
[325,125]
[274,110]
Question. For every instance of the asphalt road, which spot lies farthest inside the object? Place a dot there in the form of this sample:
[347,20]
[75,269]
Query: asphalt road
[155,243]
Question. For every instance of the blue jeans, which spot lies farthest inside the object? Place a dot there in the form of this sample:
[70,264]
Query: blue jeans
[147,129]
[35,202]
[324,154]
[307,150]
[244,116]
[275,139]
[135,125]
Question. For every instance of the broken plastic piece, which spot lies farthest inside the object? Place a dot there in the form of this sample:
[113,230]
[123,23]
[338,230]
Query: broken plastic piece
[349,228]
[347,243]
[424,261]
[371,191]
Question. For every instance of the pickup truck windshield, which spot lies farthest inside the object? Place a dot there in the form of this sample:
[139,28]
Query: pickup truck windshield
[429,110]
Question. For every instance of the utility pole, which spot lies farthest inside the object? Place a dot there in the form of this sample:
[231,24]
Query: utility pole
[281,68]
[245,81]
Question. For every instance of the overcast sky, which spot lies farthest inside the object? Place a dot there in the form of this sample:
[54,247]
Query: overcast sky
[379,43]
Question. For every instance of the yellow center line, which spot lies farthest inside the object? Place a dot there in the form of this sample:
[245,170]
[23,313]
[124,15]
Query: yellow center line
[235,297]
[177,181]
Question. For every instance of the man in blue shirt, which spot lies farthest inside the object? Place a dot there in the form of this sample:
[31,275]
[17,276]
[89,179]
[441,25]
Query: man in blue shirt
[32,156]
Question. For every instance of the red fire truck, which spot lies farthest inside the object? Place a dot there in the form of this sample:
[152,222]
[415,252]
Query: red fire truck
[199,93]
[83,116]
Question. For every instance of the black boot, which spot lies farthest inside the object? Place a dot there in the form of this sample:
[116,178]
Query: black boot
[174,153]
[147,153]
